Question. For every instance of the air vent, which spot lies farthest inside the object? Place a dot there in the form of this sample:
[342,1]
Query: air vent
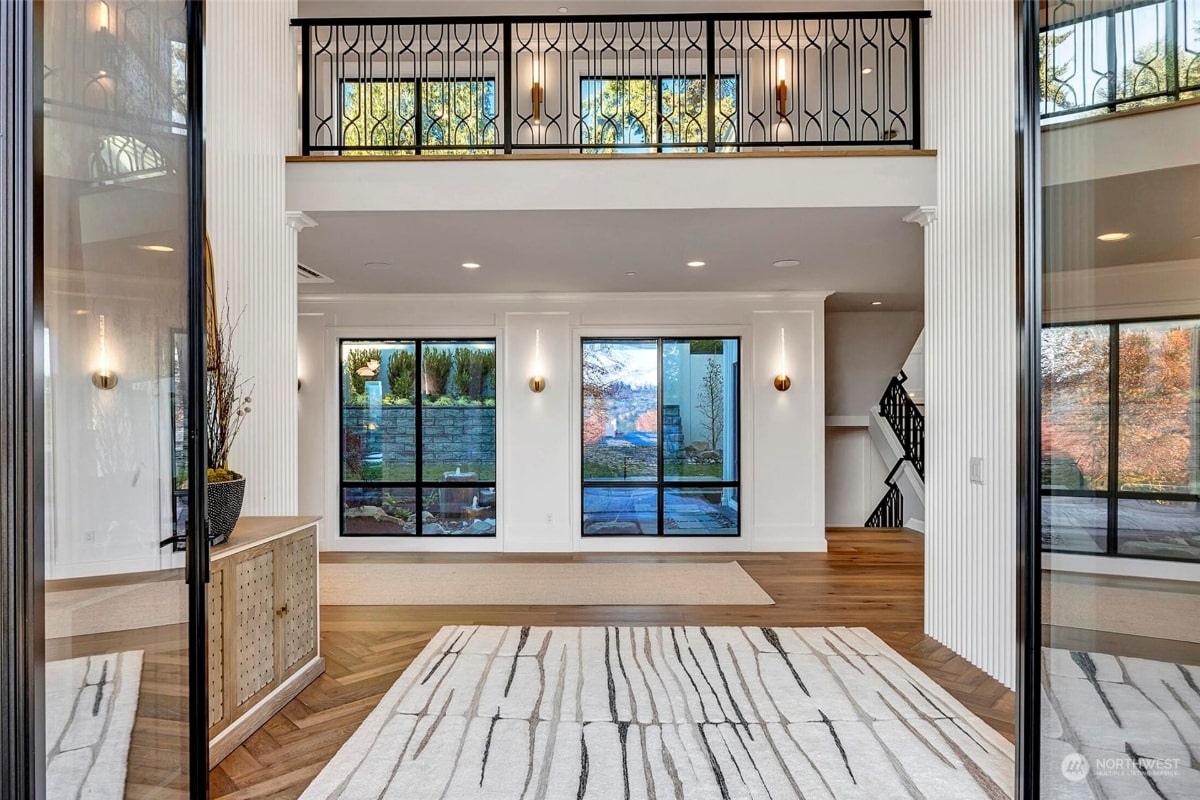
[306,275]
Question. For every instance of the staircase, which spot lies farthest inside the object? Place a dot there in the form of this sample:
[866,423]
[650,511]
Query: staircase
[897,429]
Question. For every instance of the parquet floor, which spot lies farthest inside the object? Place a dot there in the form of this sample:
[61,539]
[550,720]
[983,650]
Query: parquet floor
[870,578]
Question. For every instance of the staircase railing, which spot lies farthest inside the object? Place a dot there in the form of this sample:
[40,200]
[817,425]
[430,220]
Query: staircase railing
[890,511]
[906,421]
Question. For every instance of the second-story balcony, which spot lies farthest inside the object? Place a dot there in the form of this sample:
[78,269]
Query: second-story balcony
[609,85]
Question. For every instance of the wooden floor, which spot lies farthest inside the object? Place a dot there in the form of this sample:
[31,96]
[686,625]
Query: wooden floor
[869,578]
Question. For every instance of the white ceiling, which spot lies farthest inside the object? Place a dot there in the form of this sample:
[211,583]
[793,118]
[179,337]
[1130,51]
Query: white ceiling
[863,254]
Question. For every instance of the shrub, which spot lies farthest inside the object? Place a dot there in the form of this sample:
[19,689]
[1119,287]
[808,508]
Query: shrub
[402,374]
[437,364]
[362,359]
[463,364]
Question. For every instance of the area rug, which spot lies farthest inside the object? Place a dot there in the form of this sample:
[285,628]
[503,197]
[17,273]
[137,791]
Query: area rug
[627,583]
[666,714]
[1119,728]
[91,703]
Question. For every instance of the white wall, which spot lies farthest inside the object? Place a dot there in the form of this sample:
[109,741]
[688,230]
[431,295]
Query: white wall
[538,441]
[250,113]
[863,351]
[854,475]
[971,333]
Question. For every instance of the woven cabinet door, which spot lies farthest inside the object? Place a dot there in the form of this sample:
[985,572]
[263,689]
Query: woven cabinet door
[256,615]
[299,556]
[216,647]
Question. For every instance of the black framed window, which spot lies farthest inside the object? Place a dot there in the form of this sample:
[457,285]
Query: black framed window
[647,115]
[1120,468]
[418,437]
[412,116]
[660,436]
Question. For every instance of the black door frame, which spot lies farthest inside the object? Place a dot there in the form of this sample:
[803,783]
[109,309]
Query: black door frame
[1029,316]
[22,508]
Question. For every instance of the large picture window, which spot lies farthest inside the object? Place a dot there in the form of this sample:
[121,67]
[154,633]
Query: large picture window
[446,117]
[660,437]
[1121,439]
[418,432]
[636,113]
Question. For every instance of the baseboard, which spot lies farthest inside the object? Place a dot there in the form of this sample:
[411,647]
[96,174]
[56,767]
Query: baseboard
[241,729]
[789,539]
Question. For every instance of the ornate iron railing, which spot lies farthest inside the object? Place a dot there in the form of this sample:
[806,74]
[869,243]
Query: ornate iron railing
[906,421]
[592,84]
[1099,57]
[889,513]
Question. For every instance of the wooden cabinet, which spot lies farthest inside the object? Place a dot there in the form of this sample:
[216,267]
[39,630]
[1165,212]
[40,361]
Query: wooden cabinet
[263,625]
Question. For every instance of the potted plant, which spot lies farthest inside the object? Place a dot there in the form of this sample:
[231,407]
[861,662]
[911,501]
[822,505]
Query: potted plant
[228,401]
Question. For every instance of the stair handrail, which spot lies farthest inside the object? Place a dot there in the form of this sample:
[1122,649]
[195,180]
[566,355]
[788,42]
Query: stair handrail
[889,511]
[906,421]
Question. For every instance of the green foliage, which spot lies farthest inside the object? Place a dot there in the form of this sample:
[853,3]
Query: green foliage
[463,362]
[441,402]
[384,114]
[402,377]
[436,365]
[361,359]
[705,347]
[1052,71]
[628,111]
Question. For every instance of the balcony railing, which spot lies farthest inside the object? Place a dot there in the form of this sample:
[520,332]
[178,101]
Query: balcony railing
[590,84]
[1100,56]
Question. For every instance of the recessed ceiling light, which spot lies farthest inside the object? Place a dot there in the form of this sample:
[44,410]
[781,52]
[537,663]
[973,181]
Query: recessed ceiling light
[377,265]
[1115,236]
[631,274]
[470,265]
[695,264]
[80,312]
[156,248]
[786,262]
[866,71]
[562,9]
[876,302]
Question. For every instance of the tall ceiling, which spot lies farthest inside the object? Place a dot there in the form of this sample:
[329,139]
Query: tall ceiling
[865,255]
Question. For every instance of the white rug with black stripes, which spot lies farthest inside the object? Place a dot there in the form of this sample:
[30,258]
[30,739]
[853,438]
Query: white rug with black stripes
[666,714]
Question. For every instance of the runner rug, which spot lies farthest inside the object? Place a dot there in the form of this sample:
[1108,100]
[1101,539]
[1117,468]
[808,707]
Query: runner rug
[669,714]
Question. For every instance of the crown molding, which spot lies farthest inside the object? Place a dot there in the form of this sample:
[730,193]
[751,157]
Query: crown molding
[298,220]
[923,215]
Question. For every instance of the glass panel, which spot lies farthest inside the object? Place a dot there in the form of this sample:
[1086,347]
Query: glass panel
[458,428]
[1160,407]
[699,421]
[379,114]
[620,510]
[620,410]
[1120,656]
[459,113]
[459,511]
[685,111]
[1076,524]
[617,111]
[379,511]
[1075,407]
[116,336]
[694,511]
[378,414]
[1159,528]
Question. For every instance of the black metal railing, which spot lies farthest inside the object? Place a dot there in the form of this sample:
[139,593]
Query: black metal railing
[889,513]
[906,421]
[593,84]
[1112,55]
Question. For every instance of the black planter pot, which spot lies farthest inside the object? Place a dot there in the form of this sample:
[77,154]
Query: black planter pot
[224,508]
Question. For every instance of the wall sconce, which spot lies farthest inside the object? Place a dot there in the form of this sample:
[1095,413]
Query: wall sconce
[782,381]
[537,384]
[104,378]
[781,88]
[536,92]
[105,48]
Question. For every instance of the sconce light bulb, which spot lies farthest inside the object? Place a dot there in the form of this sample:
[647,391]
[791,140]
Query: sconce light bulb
[537,383]
[102,15]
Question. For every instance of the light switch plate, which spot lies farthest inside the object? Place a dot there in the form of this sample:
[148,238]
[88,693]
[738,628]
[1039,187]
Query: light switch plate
[975,469]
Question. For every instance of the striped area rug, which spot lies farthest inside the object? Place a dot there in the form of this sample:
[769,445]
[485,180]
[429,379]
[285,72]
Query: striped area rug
[622,713]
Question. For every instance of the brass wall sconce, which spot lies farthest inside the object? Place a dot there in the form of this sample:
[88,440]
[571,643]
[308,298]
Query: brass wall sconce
[104,378]
[537,384]
[781,87]
[537,93]
[782,381]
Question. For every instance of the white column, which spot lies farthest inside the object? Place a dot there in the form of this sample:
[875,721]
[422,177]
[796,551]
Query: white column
[971,332]
[250,99]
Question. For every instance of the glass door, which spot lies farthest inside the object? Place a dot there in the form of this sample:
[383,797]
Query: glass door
[119,397]
[1113,659]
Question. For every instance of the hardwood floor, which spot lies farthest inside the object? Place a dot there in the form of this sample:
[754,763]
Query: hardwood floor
[870,578]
